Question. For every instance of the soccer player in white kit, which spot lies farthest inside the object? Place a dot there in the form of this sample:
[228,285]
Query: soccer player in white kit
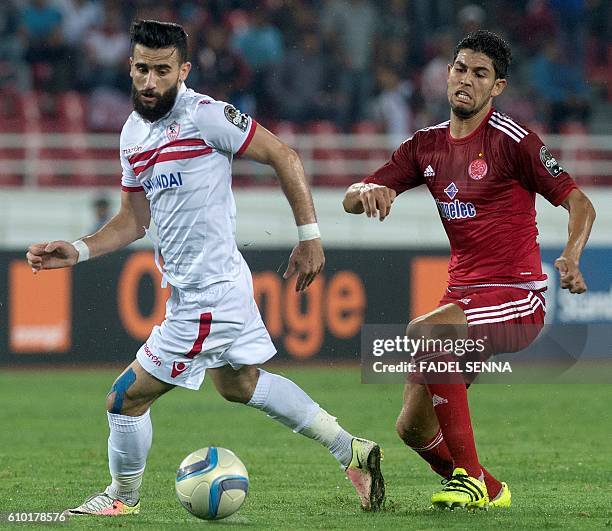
[176,154]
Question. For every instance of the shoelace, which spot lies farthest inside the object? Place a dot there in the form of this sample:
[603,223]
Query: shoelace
[97,502]
[461,482]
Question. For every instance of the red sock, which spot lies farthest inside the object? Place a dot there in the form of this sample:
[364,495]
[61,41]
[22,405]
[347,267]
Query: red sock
[451,407]
[436,453]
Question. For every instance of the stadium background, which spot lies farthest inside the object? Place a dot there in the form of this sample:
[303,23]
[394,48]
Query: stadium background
[344,82]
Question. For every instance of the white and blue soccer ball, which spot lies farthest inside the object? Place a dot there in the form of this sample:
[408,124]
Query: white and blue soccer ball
[212,483]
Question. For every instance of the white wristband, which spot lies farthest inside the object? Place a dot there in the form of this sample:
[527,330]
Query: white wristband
[82,249]
[308,232]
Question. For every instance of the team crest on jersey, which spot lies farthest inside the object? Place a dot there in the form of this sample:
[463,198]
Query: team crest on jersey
[237,118]
[478,169]
[550,162]
[173,130]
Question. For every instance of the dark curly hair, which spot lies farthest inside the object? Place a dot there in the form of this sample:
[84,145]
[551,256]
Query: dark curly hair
[492,45]
[154,34]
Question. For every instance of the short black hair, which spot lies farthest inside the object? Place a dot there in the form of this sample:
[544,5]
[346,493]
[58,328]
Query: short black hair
[492,45]
[155,34]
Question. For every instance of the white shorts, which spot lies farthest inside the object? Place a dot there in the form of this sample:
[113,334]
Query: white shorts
[207,328]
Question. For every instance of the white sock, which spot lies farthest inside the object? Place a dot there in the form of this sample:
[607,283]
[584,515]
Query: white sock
[285,402]
[128,445]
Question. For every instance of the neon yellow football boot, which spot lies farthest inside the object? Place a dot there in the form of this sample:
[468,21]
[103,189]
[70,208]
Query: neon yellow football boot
[461,490]
[504,499]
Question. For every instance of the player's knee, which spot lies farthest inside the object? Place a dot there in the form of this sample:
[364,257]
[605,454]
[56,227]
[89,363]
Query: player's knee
[237,393]
[424,327]
[238,386]
[416,328]
[121,399]
[408,431]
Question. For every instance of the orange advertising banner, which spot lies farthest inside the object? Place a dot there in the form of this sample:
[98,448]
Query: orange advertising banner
[40,312]
[428,278]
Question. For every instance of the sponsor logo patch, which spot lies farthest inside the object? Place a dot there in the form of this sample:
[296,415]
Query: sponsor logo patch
[451,191]
[163,181]
[478,169]
[438,400]
[155,359]
[456,209]
[131,150]
[235,117]
[429,172]
[173,130]
[178,367]
[550,163]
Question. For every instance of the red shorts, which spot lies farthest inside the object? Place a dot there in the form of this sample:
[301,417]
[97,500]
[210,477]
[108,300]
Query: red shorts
[509,318]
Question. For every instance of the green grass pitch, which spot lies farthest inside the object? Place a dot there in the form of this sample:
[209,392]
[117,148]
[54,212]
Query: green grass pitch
[550,443]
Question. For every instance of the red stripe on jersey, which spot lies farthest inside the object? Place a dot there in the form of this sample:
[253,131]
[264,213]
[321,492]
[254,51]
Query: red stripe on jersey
[139,157]
[132,188]
[172,155]
[248,139]
[203,332]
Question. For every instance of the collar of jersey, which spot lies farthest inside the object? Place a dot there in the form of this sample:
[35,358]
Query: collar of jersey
[474,133]
[182,89]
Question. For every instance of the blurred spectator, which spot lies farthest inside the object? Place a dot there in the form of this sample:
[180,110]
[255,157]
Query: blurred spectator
[55,45]
[539,24]
[261,44]
[78,17]
[560,86]
[470,18]
[302,84]
[570,18]
[350,27]
[391,108]
[107,49]
[12,70]
[433,79]
[220,71]
[46,51]
[101,208]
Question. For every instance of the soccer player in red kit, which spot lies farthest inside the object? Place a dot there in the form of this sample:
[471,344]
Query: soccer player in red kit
[483,170]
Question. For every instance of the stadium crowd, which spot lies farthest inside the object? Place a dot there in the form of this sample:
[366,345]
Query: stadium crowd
[350,64]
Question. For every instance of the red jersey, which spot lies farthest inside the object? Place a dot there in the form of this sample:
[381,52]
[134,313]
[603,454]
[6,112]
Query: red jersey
[484,186]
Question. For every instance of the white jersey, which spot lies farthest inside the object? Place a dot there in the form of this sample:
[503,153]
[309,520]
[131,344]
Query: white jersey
[183,163]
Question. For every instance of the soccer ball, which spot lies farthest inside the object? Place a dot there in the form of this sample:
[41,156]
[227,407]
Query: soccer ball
[212,483]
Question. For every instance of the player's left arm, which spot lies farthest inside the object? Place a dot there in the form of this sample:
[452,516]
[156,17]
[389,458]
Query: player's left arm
[581,218]
[539,171]
[307,258]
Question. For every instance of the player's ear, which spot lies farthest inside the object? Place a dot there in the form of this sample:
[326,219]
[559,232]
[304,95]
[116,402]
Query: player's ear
[498,87]
[131,64]
[184,71]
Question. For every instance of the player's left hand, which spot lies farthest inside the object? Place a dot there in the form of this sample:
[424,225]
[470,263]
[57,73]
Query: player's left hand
[571,277]
[307,260]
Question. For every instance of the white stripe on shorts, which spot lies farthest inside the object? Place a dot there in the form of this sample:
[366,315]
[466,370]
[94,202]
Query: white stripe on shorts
[535,304]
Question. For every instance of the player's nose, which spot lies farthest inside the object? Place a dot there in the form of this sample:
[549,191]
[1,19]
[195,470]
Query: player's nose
[150,81]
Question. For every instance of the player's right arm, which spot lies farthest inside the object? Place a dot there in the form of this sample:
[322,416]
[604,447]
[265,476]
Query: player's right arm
[125,227]
[376,193]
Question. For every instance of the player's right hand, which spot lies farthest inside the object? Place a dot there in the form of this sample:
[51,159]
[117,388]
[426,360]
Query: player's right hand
[51,255]
[376,200]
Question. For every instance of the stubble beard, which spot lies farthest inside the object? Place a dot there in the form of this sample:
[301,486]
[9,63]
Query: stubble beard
[464,113]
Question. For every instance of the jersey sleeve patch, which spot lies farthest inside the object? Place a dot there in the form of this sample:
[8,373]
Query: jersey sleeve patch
[235,117]
[549,162]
